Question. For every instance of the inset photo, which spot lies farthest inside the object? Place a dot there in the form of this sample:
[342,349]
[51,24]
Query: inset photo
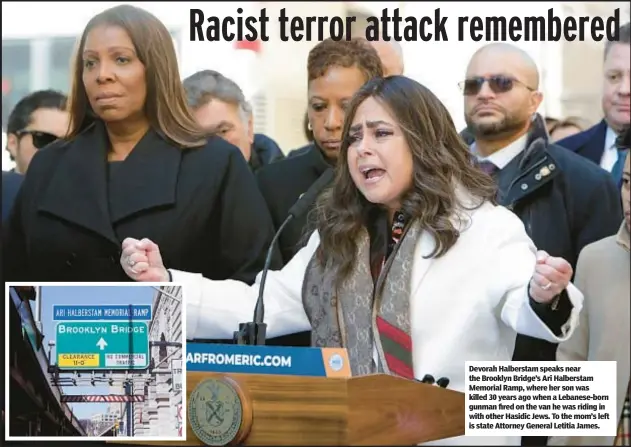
[95,361]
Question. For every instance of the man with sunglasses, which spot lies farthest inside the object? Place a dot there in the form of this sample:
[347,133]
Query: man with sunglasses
[37,120]
[564,200]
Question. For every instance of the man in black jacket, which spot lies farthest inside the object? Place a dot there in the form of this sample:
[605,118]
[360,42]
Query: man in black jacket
[564,200]
[221,108]
[37,120]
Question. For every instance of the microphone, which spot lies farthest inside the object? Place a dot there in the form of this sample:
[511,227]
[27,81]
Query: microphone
[428,378]
[253,333]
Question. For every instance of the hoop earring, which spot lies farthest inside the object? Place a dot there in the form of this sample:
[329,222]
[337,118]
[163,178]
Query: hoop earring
[309,126]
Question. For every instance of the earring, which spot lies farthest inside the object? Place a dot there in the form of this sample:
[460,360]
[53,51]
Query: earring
[309,126]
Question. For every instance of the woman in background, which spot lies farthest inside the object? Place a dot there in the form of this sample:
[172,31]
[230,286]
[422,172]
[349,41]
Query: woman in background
[425,271]
[336,70]
[134,164]
[603,274]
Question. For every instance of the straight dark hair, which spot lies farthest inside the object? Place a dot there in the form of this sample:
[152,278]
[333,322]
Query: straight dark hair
[165,104]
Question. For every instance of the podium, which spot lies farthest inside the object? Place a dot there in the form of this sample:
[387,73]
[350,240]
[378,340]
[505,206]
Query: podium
[228,408]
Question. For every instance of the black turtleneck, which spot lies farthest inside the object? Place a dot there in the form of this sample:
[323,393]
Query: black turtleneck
[282,183]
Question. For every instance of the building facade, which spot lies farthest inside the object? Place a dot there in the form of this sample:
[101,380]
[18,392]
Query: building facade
[106,418]
[158,414]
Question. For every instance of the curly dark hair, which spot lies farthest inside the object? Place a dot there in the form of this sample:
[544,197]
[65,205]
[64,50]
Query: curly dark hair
[443,165]
[344,53]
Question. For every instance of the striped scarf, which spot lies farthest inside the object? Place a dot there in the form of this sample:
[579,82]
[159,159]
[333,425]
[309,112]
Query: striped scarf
[622,437]
[361,315]
[396,342]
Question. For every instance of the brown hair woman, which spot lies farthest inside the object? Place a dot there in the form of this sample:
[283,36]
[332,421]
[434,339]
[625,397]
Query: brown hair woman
[335,71]
[453,277]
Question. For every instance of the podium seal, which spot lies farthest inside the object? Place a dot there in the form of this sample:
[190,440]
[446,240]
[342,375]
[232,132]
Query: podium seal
[215,411]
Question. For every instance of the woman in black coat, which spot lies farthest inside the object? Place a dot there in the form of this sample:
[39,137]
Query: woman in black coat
[134,164]
[335,71]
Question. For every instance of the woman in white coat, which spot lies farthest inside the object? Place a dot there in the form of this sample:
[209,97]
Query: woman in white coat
[412,269]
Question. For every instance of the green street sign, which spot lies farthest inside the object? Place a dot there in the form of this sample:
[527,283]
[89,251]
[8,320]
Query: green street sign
[102,345]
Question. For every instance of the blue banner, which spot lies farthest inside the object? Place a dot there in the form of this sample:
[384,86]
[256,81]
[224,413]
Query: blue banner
[276,360]
[119,312]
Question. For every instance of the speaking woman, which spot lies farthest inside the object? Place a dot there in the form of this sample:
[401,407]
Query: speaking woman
[135,164]
[408,223]
[335,71]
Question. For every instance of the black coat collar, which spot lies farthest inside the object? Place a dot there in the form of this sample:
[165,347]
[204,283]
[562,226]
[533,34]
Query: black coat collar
[537,167]
[78,190]
[593,144]
[317,160]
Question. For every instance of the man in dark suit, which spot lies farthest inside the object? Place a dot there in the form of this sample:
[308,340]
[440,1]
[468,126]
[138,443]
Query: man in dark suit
[266,149]
[221,108]
[564,201]
[37,120]
[598,142]
[11,182]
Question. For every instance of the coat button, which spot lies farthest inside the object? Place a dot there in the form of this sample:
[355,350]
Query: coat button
[537,177]
[551,167]
[524,186]
[116,257]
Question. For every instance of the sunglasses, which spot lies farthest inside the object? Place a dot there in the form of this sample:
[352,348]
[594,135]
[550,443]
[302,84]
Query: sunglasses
[497,84]
[40,139]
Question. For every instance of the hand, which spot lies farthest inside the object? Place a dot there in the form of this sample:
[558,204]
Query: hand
[141,261]
[552,275]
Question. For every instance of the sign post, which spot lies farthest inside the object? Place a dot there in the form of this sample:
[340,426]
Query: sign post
[102,337]
[176,375]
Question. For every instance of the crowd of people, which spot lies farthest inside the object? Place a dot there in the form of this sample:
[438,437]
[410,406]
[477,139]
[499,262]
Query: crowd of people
[506,240]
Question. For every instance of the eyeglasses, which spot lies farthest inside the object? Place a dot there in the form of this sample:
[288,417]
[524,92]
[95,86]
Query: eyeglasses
[497,83]
[40,139]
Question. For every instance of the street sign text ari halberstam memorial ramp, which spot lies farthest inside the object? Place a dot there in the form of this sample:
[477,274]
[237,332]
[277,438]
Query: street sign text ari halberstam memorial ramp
[102,337]
[111,312]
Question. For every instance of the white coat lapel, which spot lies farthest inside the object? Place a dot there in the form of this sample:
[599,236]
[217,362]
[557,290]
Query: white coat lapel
[426,243]
[421,263]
